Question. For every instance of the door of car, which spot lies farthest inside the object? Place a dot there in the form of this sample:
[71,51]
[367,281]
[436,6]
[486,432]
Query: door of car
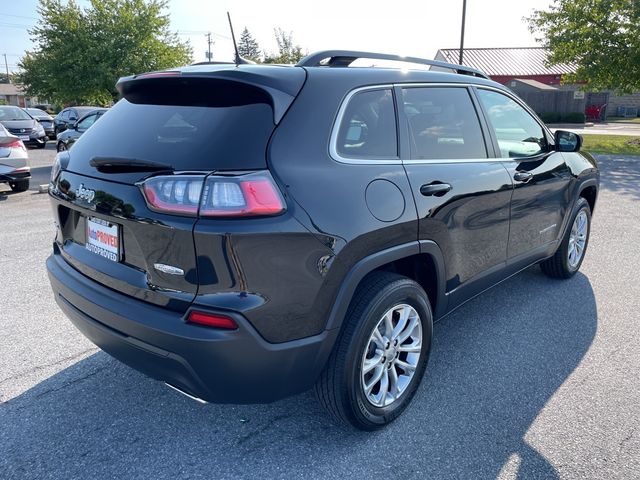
[540,175]
[462,192]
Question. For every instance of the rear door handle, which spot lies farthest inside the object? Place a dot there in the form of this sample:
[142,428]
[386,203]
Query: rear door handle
[435,189]
[523,177]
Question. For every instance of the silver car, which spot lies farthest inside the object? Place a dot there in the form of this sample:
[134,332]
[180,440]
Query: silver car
[14,162]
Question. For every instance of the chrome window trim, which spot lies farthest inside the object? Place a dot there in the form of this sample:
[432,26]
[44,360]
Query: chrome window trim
[333,152]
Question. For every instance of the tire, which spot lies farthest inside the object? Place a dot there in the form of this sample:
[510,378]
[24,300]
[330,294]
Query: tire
[341,387]
[61,147]
[20,186]
[41,145]
[561,265]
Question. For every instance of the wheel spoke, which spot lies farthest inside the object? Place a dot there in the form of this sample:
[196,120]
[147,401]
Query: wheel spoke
[384,386]
[407,367]
[377,376]
[410,348]
[413,323]
[377,337]
[393,382]
[405,312]
[388,324]
[371,363]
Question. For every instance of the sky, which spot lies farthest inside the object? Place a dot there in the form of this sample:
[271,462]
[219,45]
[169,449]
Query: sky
[412,28]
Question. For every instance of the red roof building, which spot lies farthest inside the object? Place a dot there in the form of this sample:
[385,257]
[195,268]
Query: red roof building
[506,64]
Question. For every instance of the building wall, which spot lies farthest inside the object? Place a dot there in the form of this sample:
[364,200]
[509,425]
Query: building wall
[615,101]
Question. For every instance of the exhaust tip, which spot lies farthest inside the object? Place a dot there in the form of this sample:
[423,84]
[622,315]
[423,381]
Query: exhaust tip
[192,397]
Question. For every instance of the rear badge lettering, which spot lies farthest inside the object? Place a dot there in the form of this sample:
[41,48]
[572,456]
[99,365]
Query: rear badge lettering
[171,270]
[85,193]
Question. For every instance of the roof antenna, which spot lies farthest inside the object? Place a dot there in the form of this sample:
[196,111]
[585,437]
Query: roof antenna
[238,60]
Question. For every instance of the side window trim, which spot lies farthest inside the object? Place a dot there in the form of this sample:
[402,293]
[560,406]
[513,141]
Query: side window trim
[333,139]
[546,132]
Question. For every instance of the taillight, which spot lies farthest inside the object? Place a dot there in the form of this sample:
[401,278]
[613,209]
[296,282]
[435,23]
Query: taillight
[17,143]
[174,193]
[212,320]
[253,194]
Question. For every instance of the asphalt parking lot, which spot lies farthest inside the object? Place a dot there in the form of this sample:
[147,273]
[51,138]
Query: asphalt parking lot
[534,379]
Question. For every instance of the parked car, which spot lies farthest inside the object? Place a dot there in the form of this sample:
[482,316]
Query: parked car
[24,126]
[244,233]
[69,136]
[14,161]
[68,117]
[45,120]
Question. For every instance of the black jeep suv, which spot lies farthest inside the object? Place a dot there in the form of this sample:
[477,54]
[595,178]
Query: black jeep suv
[244,233]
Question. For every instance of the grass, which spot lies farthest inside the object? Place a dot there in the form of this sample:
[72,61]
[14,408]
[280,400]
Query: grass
[623,120]
[612,144]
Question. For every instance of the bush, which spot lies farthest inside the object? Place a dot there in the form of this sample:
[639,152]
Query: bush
[573,117]
[549,117]
[554,117]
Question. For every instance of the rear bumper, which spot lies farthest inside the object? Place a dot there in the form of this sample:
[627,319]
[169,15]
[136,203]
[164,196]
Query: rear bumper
[214,365]
[15,176]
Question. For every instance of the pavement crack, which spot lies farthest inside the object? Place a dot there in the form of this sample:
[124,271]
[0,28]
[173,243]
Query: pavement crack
[38,368]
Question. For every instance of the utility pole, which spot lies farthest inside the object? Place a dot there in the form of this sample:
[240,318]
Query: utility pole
[464,14]
[6,66]
[209,42]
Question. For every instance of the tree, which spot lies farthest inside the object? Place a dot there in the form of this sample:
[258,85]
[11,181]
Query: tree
[248,46]
[601,37]
[288,52]
[81,53]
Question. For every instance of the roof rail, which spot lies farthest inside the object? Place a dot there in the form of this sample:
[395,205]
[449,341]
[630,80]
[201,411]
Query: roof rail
[344,58]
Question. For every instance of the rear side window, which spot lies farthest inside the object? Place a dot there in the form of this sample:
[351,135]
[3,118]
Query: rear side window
[517,132]
[443,124]
[218,137]
[368,126]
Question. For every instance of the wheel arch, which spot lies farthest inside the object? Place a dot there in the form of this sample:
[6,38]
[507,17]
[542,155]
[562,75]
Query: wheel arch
[421,261]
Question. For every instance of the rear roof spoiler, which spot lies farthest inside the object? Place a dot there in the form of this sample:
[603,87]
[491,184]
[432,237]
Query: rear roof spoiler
[344,58]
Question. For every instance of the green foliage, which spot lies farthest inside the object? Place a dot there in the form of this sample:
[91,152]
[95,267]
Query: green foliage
[248,46]
[81,53]
[601,37]
[288,51]
[3,78]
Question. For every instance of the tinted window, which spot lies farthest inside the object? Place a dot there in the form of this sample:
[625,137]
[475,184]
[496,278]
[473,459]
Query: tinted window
[443,124]
[368,127]
[518,134]
[86,122]
[64,115]
[185,137]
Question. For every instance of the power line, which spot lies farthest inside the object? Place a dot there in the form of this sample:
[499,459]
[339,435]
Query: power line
[17,16]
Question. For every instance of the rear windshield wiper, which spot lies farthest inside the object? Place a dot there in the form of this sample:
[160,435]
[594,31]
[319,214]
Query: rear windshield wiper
[124,165]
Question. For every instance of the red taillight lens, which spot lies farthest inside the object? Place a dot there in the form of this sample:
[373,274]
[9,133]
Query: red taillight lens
[17,143]
[174,193]
[242,196]
[253,194]
[212,320]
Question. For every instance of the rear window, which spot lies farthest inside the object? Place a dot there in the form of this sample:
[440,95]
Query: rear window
[224,137]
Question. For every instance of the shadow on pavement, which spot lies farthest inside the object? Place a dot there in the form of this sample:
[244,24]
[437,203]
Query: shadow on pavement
[620,174]
[495,363]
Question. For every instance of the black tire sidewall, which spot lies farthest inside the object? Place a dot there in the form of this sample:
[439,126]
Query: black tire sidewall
[397,293]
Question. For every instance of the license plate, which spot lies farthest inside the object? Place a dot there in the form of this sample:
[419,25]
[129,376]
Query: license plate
[23,137]
[103,238]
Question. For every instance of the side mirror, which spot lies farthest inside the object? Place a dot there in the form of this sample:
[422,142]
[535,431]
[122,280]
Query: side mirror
[567,141]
